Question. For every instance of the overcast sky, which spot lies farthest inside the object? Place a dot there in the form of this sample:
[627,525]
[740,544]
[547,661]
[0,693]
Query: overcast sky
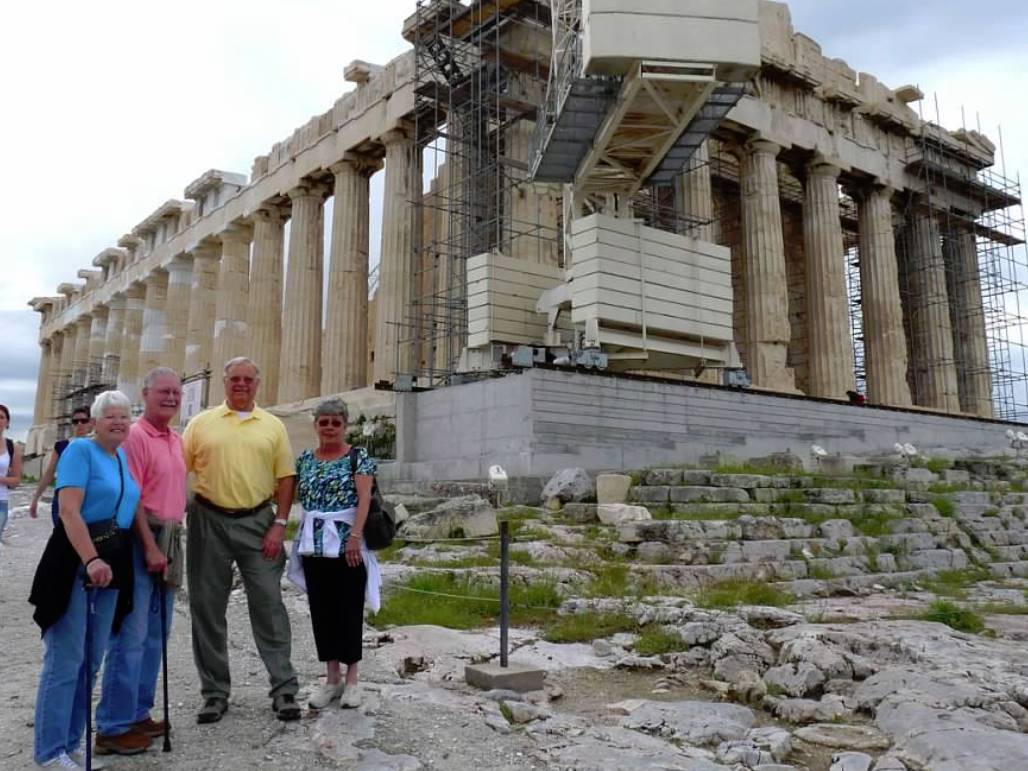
[113,107]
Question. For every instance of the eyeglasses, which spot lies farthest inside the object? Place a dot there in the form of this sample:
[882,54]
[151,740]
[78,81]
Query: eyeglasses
[326,422]
[80,421]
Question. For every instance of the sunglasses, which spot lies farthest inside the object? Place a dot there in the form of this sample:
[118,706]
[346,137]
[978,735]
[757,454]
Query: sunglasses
[326,422]
[80,421]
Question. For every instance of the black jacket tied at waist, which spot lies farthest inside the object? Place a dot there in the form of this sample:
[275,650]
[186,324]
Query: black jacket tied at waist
[56,575]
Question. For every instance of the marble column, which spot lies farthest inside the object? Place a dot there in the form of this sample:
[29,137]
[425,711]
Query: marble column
[80,373]
[39,414]
[300,376]
[176,320]
[202,299]
[396,280]
[345,357]
[155,314]
[694,197]
[112,344]
[766,287]
[230,330]
[67,367]
[935,372]
[264,310]
[828,329]
[129,374]
[54,377]
[885,341]
[970,345]
[97,339]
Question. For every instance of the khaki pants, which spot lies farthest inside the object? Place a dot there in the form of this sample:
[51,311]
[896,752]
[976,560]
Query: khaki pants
[214,541]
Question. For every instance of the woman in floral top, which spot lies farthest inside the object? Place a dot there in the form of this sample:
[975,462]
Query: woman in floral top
[336,563]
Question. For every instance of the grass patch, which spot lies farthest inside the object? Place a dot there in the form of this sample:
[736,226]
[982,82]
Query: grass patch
[954,616]
[586,627]
[875,524]
[954,583]
[655,640]
[471,561]
[700,513]
[514,513]
[418,601]
[1003,609]
[734,592]
[820,572]
[935,465]
[517,556]
[945,506]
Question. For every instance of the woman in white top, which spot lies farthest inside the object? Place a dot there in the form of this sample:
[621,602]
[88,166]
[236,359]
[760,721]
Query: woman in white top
[10,467]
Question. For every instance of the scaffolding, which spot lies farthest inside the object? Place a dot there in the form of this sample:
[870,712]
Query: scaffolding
[480,74]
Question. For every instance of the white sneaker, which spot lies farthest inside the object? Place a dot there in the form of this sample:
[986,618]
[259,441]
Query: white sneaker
[352,696]
[97,761]
[324,694]
[61,761]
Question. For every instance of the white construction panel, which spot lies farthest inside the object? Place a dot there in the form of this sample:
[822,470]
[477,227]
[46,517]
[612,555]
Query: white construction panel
[502,295]
[725,33]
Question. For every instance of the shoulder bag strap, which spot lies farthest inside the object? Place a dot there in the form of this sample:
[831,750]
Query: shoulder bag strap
[121,489]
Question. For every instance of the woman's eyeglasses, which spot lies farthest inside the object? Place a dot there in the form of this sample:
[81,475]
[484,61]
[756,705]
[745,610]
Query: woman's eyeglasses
[326,422]
[80,421]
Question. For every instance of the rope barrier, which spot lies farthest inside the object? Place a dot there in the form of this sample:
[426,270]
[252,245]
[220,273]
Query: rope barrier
[473,599]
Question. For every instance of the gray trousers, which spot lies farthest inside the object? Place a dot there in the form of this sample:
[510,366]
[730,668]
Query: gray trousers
[214,542]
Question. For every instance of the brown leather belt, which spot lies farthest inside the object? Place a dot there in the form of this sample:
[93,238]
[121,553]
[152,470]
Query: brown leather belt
[233,513]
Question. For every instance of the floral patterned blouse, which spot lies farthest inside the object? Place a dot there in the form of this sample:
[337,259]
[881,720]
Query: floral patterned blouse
[327,485]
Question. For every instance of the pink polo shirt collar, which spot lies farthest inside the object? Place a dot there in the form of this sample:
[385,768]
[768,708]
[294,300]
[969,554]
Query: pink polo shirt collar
[158,465]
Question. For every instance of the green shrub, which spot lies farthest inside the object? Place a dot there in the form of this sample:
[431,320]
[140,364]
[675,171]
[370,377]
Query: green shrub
[954,616]
[585,627]
[945,506]
[954,583]
[655,640]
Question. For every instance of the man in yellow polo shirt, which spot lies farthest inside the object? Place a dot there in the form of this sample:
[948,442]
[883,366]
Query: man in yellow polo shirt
[241,459]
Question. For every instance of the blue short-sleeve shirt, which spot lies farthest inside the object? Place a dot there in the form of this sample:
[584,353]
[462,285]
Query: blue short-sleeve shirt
[86,465]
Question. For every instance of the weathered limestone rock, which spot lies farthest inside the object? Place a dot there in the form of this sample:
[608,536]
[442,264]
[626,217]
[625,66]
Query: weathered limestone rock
[767,331]
[619,513]
[798,680]
[612,488]
[264,304]
[668,476]
[831,708]
[569,484]
[844,737]
[467,517]
[851,761]
[300,377]
[696,723]
[885,339]
[708,495]
[579,513]
[831,351]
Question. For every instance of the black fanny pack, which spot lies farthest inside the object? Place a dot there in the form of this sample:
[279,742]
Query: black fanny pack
[107,537]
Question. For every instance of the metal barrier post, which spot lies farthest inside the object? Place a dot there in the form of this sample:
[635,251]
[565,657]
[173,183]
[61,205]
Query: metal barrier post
[504,592]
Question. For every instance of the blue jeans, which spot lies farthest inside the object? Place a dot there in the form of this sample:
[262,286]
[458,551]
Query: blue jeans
[66,682]
[3,516]
[134,655]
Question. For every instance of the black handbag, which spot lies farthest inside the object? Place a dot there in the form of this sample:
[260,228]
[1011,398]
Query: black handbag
[380,526]
[107,537]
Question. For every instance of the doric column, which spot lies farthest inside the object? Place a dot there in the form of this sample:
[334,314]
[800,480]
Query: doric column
[115,331]
[230,331]
[395,276]
[935,372]
[264,312]
[885,342]
[766,288]
[67,367]
[151,344]
[97,339]
[39,414]
[300,376]
[54,380]
[202,299]
[132,334]
[345,358]
[80,373]
[694,197]
[968,317]
[831,350]
[176,321]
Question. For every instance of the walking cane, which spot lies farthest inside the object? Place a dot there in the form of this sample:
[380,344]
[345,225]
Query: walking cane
[164,658]
[90,610]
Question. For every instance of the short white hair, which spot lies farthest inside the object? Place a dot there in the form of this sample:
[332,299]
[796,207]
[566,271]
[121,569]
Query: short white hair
[158,372]
[107,400]
[241,360]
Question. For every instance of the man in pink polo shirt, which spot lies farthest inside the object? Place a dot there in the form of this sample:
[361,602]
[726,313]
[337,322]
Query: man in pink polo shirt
[156,461]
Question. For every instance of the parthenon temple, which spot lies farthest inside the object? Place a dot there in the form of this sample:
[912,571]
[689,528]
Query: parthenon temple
[731,207]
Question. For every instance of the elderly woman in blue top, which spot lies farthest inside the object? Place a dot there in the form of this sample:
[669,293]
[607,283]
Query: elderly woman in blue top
[334,487]
[94,486]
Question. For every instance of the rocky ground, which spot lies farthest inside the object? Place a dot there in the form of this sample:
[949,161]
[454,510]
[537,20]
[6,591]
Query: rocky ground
[724,621]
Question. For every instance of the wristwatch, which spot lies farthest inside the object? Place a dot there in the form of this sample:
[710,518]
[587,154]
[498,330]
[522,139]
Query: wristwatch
[281,521]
